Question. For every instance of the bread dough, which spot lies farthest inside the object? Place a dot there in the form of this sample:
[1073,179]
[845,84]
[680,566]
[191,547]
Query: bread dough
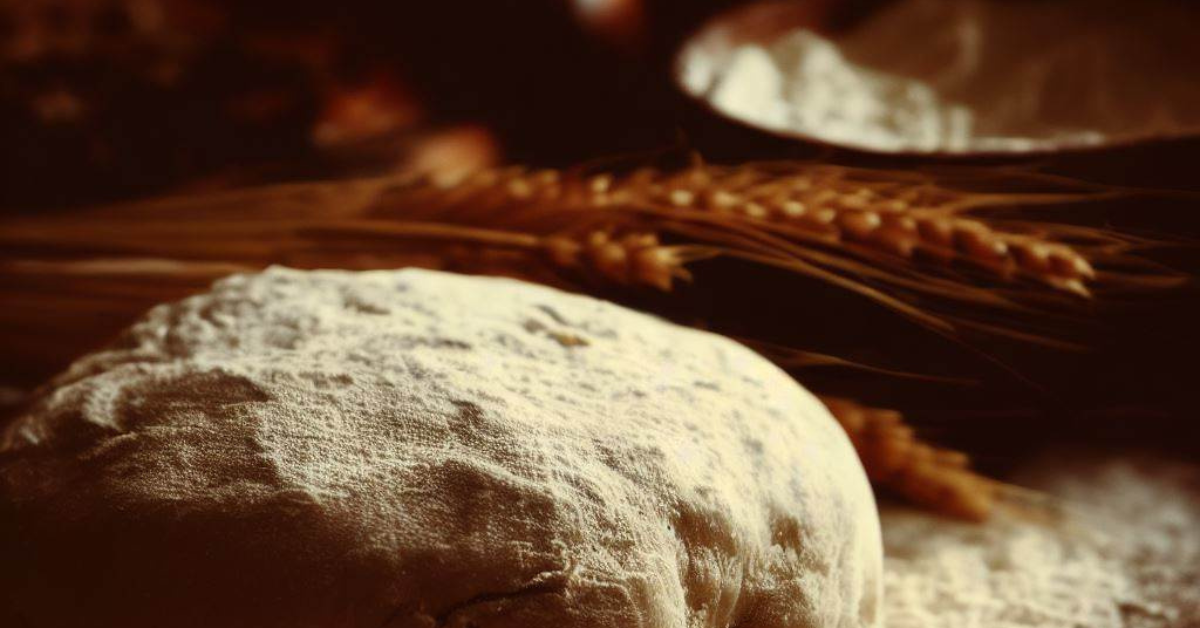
[414,448]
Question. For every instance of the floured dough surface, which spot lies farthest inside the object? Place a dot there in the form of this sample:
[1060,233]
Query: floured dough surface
[412,448]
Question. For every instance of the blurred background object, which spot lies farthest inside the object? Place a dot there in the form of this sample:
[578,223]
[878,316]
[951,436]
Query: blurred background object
[953,78]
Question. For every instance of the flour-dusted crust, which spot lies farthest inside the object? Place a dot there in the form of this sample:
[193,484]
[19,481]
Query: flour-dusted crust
[413,448]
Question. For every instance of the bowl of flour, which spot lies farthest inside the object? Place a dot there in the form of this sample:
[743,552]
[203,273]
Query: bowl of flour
[954,77]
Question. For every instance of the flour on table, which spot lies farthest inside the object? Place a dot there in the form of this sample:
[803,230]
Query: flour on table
[1124,552]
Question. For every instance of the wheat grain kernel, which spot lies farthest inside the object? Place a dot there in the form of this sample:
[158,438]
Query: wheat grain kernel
[600,183]
[859,225]
[639,240]
[1068,284]
[520,188]
[611,259]
[936,231]
[753,210]
[682,198]
[1033,257]
[857,200]
[563,251]
[720,199]
[824,215]
[654,266]
[793,209]
[824,196]
[896,241]
[1068,263]
[903,223]
[546,177]
[979,243]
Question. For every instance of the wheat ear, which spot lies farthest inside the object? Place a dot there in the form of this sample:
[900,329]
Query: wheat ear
[894,458]
[860,228]
[813,205]
[824,204]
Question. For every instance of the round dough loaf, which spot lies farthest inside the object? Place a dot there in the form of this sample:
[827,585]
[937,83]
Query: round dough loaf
[421,449]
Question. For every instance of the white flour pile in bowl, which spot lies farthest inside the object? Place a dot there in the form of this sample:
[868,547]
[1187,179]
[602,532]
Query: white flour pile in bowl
[965,76]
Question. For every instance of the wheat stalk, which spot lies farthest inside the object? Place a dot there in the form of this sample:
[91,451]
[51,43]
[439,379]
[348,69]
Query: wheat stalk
[809,218]
[819,204]
[930,252]
[69,282]
[901,223]
[831,218]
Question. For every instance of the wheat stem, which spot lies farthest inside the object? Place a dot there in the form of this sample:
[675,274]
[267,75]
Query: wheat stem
[816,208]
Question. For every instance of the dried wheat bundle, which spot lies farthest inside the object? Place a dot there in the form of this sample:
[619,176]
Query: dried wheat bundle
[931,252]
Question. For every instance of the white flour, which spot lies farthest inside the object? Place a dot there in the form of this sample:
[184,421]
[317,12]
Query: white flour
[968,75]
[1124,554]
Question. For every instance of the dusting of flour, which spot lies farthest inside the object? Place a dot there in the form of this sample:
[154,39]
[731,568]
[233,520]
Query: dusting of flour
[416,449]
[1123,552]
[969,76]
